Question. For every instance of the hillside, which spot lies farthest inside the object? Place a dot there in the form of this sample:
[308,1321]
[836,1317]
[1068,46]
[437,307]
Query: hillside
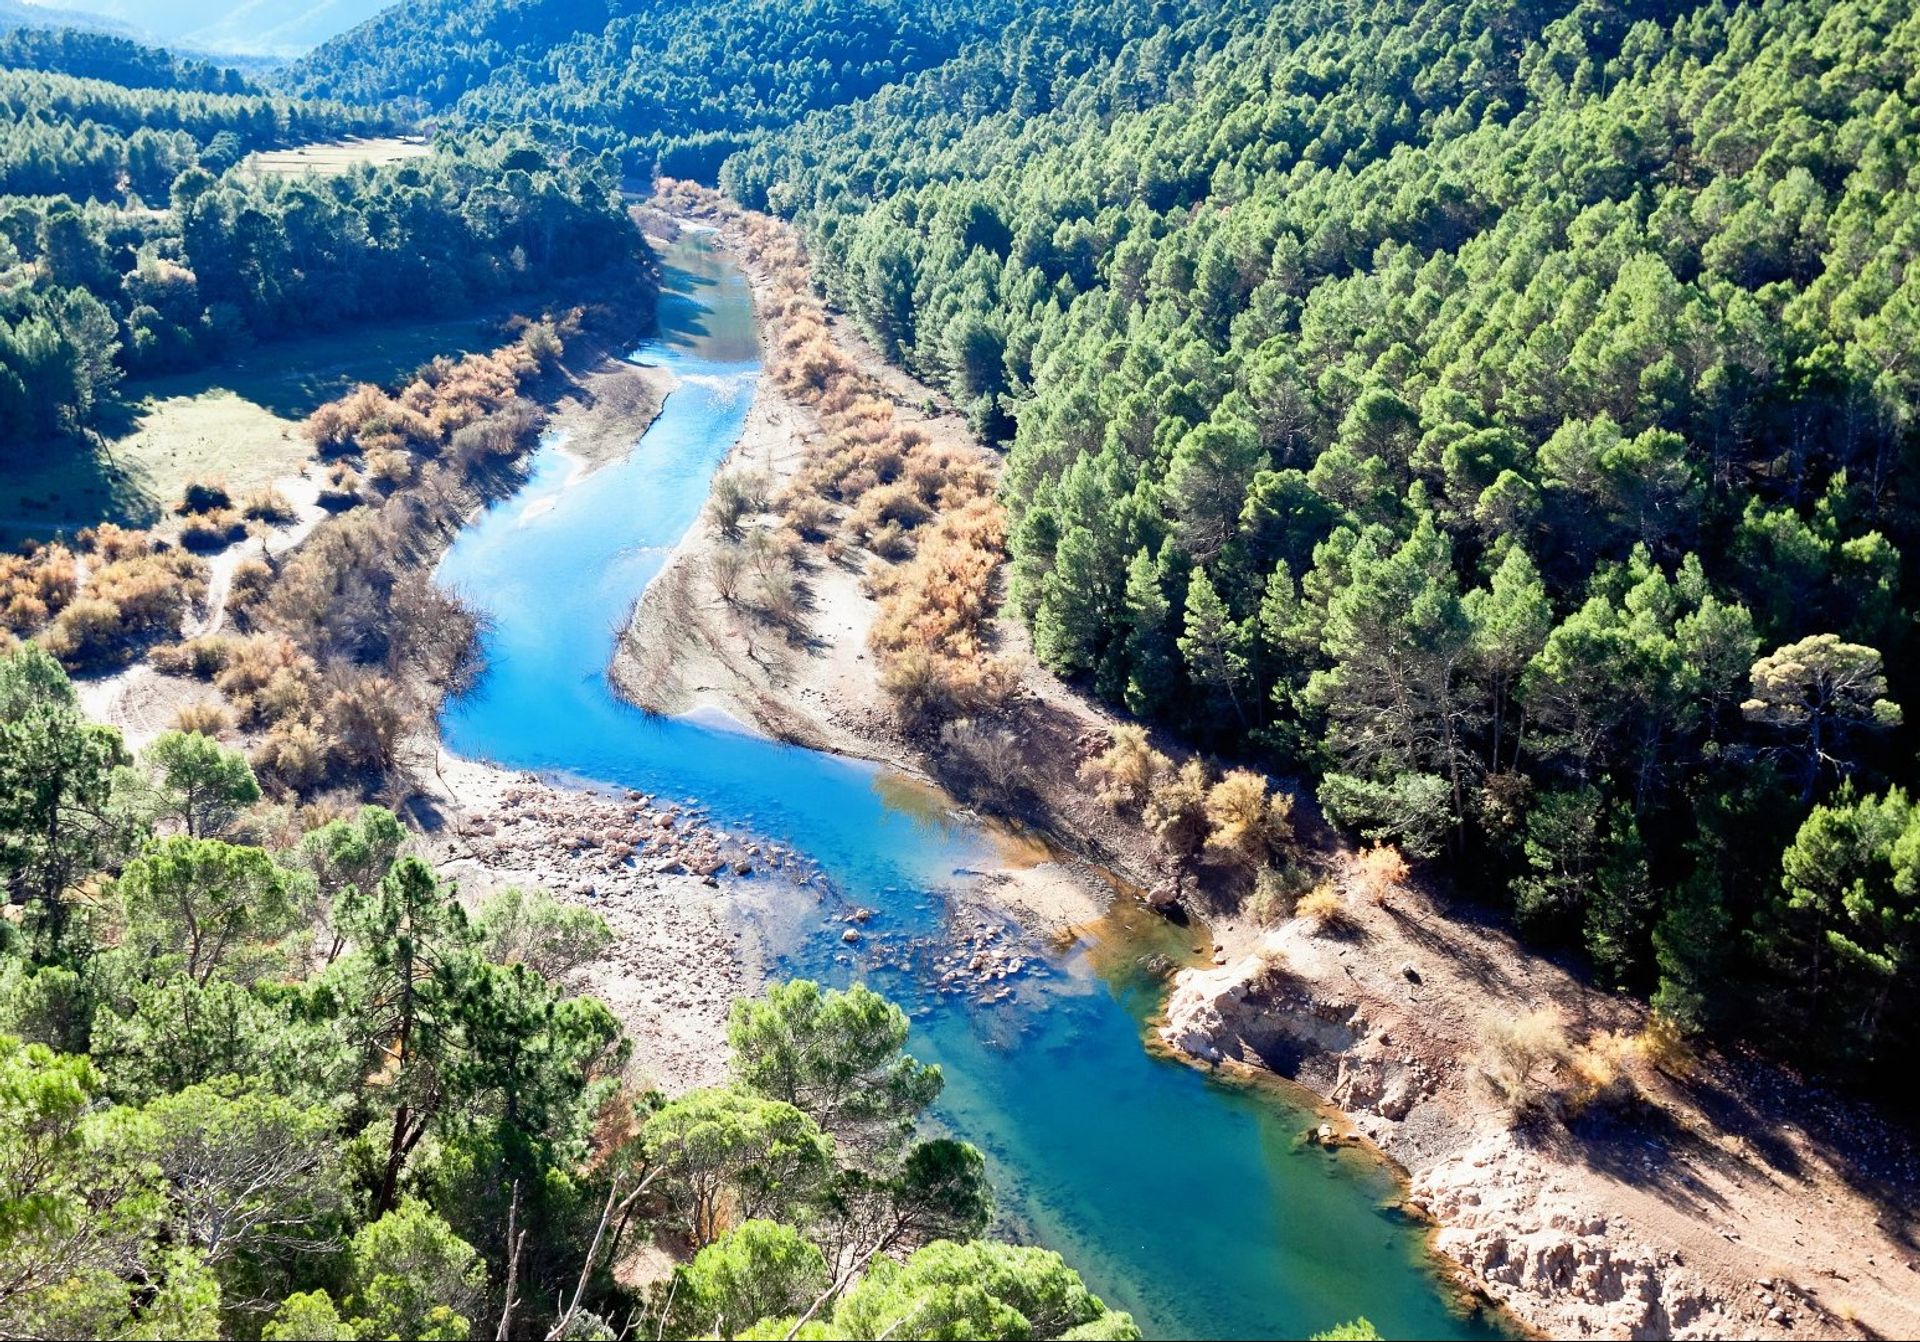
[1495,413]
[661,81]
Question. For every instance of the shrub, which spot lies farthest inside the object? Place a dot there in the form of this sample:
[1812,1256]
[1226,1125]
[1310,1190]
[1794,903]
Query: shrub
[213,530]
[891,542]
[991,755]
[776,596]
[206,717]
[726,566]
[367,716]
[736,496]
[809,515]
[1379,871]
[205,496]
[1276,890]
[1323,907]
[268,505]
[1250,826]
[542,343]
[392,467]
[342,490]
[1516,1055]
[1664,1045]
[1176,811]
[202,658]
[1599,1074]
[86,633]
[1125,772]
[293,755]
[250,585]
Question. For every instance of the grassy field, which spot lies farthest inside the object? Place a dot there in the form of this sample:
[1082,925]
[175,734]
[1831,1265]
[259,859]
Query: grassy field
[336,156]
[238,422]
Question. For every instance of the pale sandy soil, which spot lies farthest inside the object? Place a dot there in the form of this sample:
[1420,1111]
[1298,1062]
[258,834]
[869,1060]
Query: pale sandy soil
[676,962]
[140,701]
[606,403]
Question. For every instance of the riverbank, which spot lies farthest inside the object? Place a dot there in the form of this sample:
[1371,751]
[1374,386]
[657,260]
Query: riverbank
[688,650]
[1715,1208]
[1723,1197]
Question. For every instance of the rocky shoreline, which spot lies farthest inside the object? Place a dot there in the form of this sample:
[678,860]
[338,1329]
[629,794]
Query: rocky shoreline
[1652,1221]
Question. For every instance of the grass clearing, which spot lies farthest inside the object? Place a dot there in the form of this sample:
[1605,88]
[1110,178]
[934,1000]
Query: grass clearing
[238,422]
[334,156]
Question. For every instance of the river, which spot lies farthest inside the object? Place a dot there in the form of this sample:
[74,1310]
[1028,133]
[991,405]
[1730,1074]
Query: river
[1192,1202]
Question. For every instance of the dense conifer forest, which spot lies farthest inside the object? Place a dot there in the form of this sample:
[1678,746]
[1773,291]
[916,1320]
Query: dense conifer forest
[133,241]
[1500,414]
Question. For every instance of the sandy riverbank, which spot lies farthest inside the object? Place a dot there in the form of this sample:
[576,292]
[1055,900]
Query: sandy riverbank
[688,652]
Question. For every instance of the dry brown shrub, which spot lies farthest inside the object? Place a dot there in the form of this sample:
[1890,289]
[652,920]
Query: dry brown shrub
[268,505]
[992,755]
[1322,906]
[202,658]
[342,490]
[86,633]
[210,531]
[1250,826]
[1664,1045]
[34,586]
[392,468]
[251,584]
[1599,1075]
[1379,871]
[204,496]
[1125,773]
[267,677]
[810,516]
[893,505]
[1176,811]
[1517,1054]
[367,716]
[205,717]
[294,756]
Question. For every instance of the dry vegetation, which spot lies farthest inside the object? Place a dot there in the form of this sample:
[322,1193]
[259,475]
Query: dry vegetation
[101,601]
[1236,823]
[928,512]
[340,652]
[1532,1068]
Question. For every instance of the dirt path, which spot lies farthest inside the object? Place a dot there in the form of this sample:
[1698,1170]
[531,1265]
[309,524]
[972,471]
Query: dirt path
[140,701]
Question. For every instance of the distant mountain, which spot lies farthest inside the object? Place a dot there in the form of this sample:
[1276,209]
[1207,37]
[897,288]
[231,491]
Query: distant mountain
[19,14]
[281,28]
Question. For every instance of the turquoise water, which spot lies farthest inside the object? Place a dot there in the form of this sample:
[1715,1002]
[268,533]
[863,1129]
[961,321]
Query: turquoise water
[1189,1201]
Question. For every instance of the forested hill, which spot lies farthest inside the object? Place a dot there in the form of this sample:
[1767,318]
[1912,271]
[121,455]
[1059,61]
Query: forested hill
[133,238]
[1503,413]
[117,60]
[1499,413]
[678,82]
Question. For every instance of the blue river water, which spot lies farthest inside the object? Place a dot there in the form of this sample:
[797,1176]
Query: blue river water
[1190,1201]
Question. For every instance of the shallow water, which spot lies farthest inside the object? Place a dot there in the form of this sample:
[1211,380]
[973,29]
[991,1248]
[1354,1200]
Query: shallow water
[1190,1201]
